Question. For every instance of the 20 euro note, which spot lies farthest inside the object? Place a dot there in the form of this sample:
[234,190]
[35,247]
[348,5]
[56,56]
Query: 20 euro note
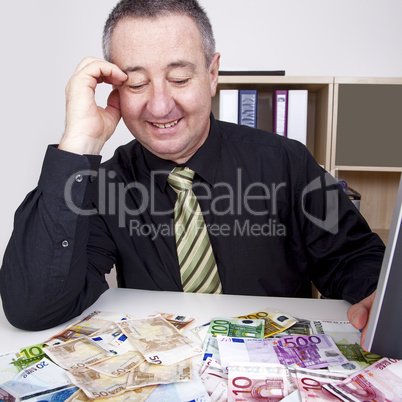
[257,381]
[233,327]
[11,363]
[313,351]
[158,340]
[41,378]
[275,321]
[310,384]
[382,381]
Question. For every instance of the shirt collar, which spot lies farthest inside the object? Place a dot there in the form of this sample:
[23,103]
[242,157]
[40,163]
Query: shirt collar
[204,162]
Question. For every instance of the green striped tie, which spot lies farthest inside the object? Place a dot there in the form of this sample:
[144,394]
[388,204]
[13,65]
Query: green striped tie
[198,270]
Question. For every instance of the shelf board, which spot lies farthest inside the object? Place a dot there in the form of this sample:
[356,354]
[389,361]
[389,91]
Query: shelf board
[274,80]
[369,80]
[368,168]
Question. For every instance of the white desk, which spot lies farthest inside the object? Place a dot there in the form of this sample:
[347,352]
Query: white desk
[140,303]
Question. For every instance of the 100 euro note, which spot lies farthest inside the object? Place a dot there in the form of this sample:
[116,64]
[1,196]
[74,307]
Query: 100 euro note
[158,340]
[232,327]
[257,381]
[275,321]
[313,351]
[347,339]
[382,381]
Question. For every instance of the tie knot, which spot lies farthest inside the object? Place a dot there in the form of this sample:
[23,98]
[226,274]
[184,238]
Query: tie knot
[181,178]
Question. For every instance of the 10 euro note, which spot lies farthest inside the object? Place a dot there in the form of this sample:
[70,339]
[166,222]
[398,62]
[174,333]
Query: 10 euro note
[158,340]
[275,321]
[310,384]
[257,381]
[382,381]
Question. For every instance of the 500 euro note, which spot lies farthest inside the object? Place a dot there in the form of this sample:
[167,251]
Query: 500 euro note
[158,340]
[312,351]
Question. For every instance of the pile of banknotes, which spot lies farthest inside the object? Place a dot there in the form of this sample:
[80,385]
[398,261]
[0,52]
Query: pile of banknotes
[267,355]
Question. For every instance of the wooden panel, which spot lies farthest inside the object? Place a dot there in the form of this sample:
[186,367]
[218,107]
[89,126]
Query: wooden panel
[378,191]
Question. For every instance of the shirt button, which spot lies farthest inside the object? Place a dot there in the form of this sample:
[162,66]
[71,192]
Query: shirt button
[78,178]
[65,243]
[91,179]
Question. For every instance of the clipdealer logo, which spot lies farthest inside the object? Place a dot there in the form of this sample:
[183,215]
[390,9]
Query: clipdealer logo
[118,206]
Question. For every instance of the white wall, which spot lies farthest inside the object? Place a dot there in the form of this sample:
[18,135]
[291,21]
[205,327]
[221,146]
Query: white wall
[42,41]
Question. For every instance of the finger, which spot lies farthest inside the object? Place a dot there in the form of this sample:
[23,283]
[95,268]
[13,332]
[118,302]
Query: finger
[113,106]
[99,70]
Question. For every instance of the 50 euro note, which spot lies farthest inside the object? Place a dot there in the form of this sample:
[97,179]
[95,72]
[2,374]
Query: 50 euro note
[86,326]
[312,351]
[257,381]
[382,381]
[275,321]
[97,385]
[158,340]
[152,374]
[77,353]
[347,339]
[177,320]
[135,395]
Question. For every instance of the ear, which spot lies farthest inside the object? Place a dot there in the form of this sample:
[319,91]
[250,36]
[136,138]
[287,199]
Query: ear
[213,73]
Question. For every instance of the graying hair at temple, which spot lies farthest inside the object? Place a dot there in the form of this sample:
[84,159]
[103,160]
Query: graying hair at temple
[156,8]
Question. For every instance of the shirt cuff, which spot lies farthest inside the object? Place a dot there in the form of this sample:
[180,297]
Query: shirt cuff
[68,173]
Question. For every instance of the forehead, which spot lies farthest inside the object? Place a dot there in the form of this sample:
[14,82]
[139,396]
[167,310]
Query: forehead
[171,35]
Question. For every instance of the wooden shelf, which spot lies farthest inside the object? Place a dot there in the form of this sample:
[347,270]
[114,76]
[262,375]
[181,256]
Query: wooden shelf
[376,182]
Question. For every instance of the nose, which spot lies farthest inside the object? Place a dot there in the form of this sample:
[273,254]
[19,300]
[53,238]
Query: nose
[161,101]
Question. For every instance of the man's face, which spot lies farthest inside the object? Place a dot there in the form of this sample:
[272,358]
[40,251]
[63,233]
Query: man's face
[166,101]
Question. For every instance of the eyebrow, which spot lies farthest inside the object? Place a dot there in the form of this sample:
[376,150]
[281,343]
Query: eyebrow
[171,66]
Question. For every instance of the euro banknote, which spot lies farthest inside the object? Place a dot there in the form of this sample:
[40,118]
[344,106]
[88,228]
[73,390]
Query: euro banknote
[312,351]
[275,321]
[158,340]
[257,381]
[382,381]
[310,384]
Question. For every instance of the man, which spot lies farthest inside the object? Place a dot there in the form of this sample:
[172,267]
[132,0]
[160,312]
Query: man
[264,199]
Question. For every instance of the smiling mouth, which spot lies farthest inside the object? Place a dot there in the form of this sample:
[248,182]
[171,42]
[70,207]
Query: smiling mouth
[167,125]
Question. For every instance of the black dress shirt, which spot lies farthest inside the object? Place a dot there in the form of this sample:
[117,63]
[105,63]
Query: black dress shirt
[276,221]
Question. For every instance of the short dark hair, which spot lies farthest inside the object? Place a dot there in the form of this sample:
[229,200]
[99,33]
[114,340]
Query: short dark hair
[156,8]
